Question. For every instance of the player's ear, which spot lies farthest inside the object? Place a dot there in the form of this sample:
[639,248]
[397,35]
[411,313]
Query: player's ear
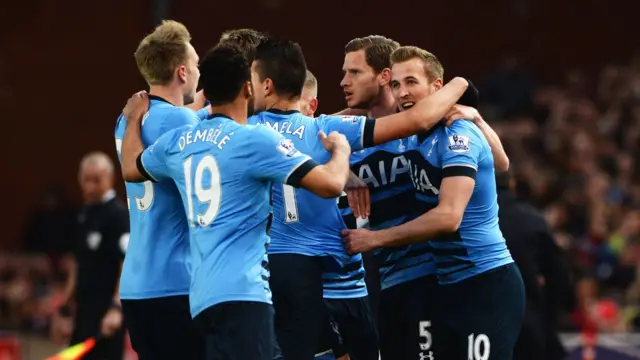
[182,73]
[384,77]
[248,89]
[313,105]
[438,84]
[268,87]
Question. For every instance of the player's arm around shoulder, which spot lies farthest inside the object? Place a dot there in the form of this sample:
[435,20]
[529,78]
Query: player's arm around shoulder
[422,116]
[330,179]
[500,158]
[358,130]
[138,164]
[134,111]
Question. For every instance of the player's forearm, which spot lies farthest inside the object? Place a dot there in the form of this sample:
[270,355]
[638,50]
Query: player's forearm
[424,228]
[422,117]
[337,169]
[131,148]
[500,158]
[428,112]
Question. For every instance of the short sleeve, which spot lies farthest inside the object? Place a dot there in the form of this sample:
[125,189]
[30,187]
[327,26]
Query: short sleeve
[152,162]
[460,150]
[179,117]
[274,157]
[357,129]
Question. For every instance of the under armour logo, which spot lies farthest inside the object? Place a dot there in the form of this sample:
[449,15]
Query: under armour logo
[427,356]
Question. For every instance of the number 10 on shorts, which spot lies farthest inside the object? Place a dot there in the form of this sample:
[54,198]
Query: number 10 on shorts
[478,347]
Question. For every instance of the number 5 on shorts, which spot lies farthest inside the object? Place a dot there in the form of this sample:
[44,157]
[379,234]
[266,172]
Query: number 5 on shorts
[478,347]
[423,328]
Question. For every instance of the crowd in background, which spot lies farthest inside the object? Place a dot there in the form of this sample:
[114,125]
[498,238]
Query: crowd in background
[574,147]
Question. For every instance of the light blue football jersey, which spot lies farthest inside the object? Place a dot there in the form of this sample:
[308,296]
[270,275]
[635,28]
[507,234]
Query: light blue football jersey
[460,150]
[224,172]
[305,223]
[385,170]
[157,261]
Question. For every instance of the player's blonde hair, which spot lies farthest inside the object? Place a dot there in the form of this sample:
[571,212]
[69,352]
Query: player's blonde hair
[432,66]
[312,83]
[162,51]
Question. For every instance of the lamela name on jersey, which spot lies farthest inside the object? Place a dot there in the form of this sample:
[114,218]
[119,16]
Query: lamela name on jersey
[287,128]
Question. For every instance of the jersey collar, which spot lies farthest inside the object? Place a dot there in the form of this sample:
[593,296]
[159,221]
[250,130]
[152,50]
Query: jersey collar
[282,112]
[158,98]
[219,115]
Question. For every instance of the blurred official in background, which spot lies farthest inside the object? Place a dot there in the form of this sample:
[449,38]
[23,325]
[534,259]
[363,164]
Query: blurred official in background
[544,271]
[101,242]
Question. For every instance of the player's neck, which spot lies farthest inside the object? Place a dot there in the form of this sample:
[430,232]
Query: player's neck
[173,96]
[284,104]
[238,112]
[385,106]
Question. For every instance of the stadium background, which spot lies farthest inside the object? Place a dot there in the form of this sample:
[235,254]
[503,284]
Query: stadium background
[558,81]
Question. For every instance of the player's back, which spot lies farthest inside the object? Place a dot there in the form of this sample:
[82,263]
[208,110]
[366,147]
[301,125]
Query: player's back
[223,171]
[477,245]
[304,223]
[157,262]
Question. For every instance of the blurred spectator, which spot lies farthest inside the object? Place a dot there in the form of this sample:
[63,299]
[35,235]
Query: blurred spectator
[544,270]
[50,225]
[509,89]
[575,156]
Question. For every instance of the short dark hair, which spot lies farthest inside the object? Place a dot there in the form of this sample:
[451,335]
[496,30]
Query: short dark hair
[223,72]
[245,39]
[377,50]
[283,62]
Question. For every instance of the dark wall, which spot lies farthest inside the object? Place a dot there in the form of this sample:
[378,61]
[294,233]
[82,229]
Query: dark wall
[66,67]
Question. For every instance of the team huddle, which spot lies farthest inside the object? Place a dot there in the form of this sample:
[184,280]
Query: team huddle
[250,216]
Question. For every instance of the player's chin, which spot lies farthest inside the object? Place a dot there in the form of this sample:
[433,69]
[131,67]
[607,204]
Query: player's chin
[354,103]
[189,98]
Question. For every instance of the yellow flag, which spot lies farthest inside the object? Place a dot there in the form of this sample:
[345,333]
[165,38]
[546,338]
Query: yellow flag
[75,352]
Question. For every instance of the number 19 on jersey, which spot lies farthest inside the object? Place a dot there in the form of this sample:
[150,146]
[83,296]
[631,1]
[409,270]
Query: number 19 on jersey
[194,181]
